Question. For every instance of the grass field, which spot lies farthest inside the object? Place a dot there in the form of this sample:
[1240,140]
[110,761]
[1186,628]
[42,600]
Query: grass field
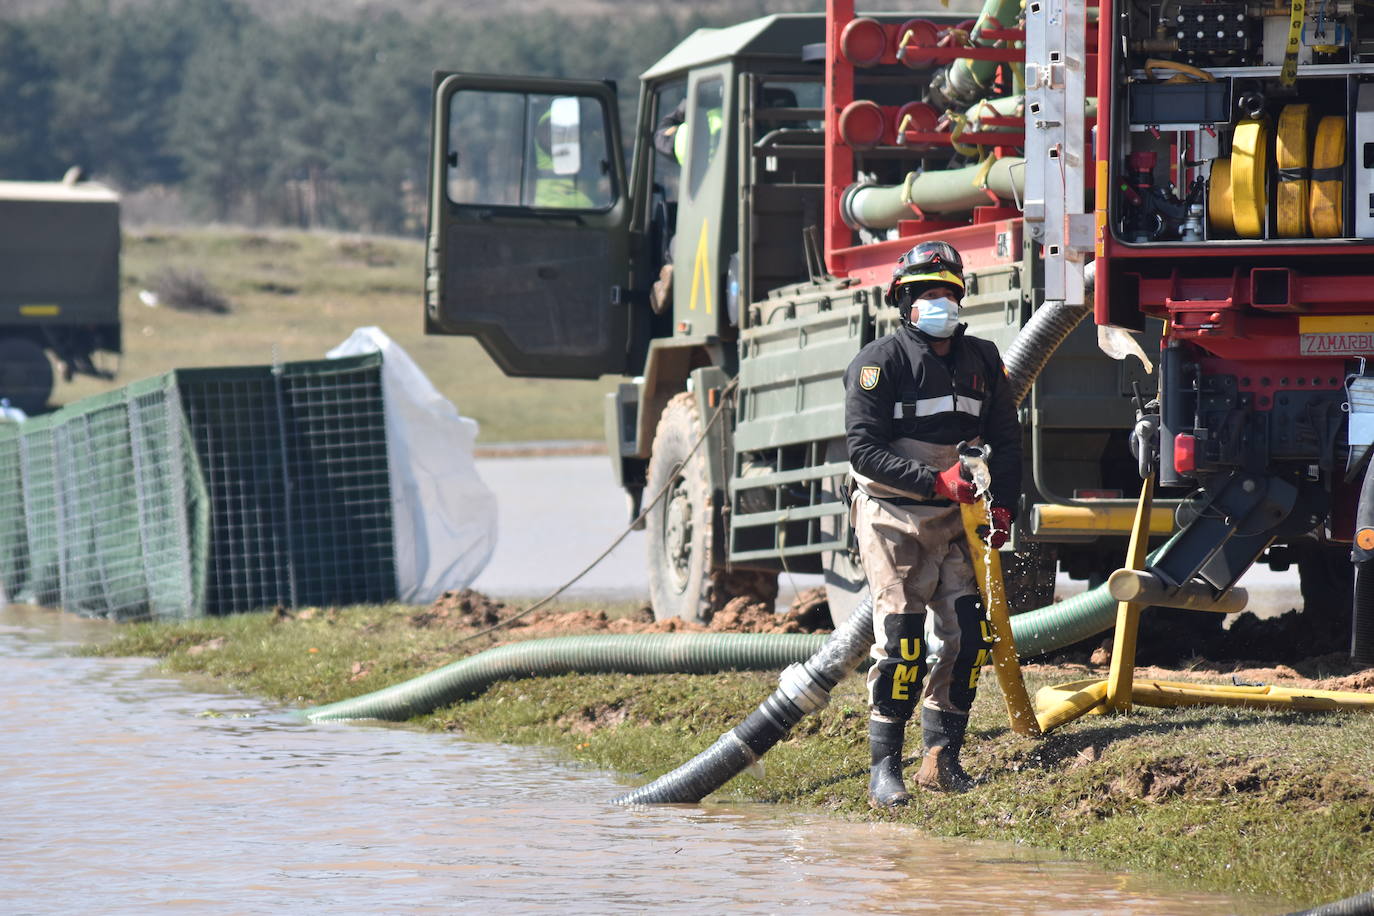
[295,295]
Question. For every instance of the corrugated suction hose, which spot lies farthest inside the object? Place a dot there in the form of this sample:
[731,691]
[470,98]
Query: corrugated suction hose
[803,688]
[1359,905]
[1041,336]
[646,653]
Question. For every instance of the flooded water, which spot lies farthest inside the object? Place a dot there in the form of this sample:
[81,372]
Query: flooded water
[125,792]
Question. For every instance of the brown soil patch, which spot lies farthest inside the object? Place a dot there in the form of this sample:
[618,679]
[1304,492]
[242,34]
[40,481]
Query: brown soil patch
[1325,672]
[590,718]
[465,609]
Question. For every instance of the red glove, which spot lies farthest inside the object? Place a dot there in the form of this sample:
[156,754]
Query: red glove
[1000,532]
[951,484]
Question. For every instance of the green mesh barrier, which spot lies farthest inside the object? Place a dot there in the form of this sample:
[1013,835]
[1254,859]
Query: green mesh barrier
[203,491]
[295,463]
[14,536]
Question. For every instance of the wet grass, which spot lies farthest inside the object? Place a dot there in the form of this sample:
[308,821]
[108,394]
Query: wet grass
[293,295]
[1264,802]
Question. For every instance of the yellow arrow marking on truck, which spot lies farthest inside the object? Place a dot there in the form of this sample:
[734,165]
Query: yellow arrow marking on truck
[701,271]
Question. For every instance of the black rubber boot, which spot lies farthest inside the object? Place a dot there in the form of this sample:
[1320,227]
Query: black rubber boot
[944,739]
[885,786]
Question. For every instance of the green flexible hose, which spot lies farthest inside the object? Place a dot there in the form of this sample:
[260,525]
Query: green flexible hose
[1036,632]
[646,653]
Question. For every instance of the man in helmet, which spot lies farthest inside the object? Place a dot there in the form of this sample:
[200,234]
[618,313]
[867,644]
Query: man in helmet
[911,399]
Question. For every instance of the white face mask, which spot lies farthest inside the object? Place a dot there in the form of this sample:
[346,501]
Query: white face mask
[937,317]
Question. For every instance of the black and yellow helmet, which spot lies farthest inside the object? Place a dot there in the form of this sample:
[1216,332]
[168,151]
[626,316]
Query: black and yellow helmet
[927,264]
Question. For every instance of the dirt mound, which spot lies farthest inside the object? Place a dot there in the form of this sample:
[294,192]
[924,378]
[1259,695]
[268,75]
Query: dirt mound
[462,609]
[468,609]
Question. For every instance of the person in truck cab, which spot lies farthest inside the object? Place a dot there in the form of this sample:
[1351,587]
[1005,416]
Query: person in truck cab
[911,399]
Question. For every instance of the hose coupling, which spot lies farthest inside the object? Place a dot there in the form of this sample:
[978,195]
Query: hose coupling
[802,688]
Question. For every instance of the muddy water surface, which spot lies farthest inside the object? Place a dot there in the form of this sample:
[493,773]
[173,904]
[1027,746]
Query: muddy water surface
[125,792]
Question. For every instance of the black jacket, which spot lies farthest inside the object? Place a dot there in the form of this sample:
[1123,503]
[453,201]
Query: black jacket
[913,395]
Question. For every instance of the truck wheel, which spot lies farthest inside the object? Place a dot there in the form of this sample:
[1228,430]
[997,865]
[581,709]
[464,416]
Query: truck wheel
[845,585]
[681,545]
[26,376]
[1327,579]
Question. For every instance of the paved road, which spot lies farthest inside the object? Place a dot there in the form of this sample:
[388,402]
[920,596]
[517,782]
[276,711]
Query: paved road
[558,513]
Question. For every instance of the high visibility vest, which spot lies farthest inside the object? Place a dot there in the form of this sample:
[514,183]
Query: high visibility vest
[680,136]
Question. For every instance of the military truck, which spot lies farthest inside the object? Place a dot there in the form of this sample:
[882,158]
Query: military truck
[59,284]
[779,167]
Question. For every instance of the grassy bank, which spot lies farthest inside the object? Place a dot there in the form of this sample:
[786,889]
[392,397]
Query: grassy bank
[295,295]
[1271,803]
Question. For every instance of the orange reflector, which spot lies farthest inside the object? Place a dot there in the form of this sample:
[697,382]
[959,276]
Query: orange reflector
[1365,538]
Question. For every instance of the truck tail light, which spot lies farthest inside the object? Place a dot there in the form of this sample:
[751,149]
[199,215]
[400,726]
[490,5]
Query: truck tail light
[1185,453]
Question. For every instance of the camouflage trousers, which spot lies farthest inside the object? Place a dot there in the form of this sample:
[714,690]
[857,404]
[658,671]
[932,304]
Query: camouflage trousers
[916,558]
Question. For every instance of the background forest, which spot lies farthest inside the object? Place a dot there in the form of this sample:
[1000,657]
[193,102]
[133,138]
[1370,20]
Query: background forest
[290,113]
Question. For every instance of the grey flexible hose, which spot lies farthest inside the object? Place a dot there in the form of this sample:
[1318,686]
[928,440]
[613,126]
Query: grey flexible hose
[803,688]
[1359,905]
[1041,336]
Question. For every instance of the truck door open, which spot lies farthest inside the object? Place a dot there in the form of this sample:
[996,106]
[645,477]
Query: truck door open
[528,223]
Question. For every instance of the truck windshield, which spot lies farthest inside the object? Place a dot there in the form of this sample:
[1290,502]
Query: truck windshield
[516,149]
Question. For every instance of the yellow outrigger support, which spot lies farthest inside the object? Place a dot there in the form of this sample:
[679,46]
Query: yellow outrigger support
[1135,590]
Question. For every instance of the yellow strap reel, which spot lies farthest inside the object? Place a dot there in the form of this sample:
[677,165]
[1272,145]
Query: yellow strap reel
[1291,156]
[1219,199]
[1328,179]
[1250,177]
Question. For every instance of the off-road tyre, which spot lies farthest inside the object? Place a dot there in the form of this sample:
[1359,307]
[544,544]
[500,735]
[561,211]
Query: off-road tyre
[845,584]
[681,542]
[26,376]
[1327,579]
[686,577]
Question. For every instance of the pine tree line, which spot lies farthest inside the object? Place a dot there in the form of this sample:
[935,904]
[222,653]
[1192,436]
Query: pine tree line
[307,122]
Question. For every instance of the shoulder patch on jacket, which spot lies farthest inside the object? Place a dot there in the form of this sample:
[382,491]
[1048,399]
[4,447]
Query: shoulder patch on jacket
[868,377]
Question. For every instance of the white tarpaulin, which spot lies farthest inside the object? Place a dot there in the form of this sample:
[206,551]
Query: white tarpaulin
[443,515]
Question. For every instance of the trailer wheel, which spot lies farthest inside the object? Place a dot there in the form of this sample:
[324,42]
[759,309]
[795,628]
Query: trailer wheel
[26,376]
[681,542]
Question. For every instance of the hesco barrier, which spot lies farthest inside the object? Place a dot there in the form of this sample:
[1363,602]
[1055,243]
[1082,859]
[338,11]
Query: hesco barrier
[203,491]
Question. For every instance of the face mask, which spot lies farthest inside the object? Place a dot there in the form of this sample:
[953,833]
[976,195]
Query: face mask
[937,317]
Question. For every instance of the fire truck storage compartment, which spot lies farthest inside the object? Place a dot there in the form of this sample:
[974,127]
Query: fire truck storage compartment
[1243,122]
